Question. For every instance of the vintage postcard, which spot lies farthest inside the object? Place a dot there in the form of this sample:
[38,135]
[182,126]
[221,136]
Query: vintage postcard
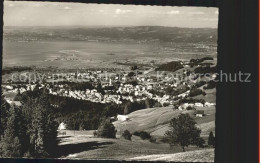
[108,82]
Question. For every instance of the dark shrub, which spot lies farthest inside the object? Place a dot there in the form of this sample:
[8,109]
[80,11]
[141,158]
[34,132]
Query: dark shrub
[131,74]
[211,84]
[136,133]
[171,66]
[106,130]
[211,139]
[166,104]
[144,135]
[95,133]
[195,92]
[127,135]
[200,60]
[190,108]
[200,83]
[200,142]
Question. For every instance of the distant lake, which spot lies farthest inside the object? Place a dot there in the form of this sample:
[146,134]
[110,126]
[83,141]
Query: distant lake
[61,52]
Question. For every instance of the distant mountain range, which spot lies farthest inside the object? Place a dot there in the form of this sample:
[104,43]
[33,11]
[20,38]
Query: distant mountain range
[141,34]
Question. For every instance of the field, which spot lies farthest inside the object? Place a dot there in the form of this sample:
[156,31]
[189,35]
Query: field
[82,145]
[156,120]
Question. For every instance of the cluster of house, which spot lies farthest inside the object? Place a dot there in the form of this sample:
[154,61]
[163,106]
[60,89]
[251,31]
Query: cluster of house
[197,104]
[125,91]
[89,95]
[22,89]
[137,93]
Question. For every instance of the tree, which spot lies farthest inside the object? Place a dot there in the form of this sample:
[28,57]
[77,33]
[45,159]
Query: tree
[36,131]
[106,129]
[183,132]
[30,130]
[199,142]
[21,129]
[100,89]
[127,135]
[50,125]
[10,145]
[5,107]
[190,108]
[128,107]
[145,135]
[41,127]
[196,92]
[110,111]
[211,139]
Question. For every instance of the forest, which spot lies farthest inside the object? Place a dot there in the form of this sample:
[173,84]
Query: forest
[82,114]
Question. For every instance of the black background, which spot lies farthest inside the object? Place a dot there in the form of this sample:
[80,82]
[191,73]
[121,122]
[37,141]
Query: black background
[237,103]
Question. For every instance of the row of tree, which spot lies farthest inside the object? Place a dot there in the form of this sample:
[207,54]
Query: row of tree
[29,130]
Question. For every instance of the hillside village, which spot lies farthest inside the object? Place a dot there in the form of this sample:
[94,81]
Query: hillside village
[115,87]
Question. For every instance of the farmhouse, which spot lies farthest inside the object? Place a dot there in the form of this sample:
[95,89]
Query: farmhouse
[209,104]
[198,104]
[122,117]
[199,113]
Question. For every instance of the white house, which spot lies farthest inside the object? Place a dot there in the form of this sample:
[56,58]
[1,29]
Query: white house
[185,105]
[209,104]
[122,117]
[199,113]
[9,87]
[198,104]
[62,126]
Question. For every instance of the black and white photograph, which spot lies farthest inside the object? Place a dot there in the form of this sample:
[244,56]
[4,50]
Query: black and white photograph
[108,82]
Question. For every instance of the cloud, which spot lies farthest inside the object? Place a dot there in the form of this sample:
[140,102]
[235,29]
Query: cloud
[66,8]
[197,13]
[173,12]
[119,11]
[102,11]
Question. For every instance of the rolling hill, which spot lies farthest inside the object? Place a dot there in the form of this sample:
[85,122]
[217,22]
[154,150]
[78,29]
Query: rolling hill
[156,120]
[135,33]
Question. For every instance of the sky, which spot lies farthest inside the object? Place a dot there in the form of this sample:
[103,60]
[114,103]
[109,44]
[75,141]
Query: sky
[17,13]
